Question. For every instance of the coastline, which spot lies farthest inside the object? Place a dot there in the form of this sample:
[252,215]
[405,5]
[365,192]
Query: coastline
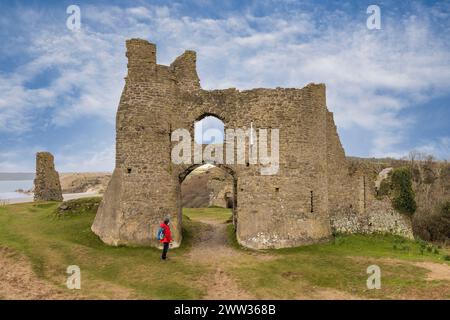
[66,196]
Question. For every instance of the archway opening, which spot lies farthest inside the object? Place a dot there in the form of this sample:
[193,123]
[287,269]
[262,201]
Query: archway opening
[208,190]
[209,202]
[229,200]
[209,129]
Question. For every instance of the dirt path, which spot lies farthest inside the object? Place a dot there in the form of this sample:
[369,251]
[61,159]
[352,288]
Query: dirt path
[435,270]
[210,247]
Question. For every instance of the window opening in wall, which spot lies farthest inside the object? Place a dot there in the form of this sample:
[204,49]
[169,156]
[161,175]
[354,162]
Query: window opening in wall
[364,190]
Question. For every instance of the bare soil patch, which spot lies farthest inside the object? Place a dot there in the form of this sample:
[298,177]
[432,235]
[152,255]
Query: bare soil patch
[18,280]
[437,271]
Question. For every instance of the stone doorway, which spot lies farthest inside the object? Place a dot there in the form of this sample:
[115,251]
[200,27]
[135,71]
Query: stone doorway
[194,192]
[229,200]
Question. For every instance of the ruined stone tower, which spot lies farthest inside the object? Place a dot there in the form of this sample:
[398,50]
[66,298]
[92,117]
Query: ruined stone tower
[46,183]
[294,207]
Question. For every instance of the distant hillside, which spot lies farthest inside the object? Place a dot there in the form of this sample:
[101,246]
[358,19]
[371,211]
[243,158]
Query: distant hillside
[70,182]
[84,182]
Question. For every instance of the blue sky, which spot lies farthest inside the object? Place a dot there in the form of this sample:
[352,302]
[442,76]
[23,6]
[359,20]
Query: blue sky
[389,89]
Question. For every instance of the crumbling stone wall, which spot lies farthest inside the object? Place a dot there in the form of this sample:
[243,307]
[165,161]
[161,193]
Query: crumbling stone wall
[221,188]
[288,209]
[47,186]
[357,210]
[222,197]
[379,217]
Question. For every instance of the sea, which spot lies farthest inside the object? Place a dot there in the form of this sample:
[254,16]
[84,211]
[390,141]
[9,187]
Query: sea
[8,188]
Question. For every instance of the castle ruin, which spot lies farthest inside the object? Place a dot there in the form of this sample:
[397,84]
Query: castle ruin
[313,195]
[47,186]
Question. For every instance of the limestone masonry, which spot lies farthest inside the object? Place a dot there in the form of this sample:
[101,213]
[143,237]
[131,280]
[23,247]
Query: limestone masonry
[314,194]
[46,183]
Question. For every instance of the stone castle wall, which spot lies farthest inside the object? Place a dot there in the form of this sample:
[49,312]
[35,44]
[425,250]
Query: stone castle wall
[46,183]
[288,209]
[361,212]
[221,195]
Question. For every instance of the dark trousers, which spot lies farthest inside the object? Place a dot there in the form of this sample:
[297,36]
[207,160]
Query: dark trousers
[165,249]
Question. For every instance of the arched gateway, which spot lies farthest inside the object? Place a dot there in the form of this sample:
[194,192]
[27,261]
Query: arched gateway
[311,192]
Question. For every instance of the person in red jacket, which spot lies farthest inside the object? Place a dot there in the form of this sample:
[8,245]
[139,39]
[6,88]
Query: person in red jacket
[167,238]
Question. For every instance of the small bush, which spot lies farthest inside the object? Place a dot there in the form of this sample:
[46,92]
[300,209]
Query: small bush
[415,173]
[434,226]
[385,188]
[429,175]
[421,243]
[445,209]
[403,194]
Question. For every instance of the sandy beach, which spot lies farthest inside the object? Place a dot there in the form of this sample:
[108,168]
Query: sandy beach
[67,196]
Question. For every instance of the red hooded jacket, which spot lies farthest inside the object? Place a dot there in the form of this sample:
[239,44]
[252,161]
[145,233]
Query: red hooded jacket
[167,233]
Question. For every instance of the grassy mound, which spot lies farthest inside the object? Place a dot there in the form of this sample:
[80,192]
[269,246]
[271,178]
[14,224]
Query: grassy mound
[79,206]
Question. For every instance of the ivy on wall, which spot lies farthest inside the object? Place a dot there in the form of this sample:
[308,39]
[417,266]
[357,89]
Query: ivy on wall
[400,190]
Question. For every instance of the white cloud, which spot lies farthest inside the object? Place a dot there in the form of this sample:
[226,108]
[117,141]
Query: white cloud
[94,159]
[439,148]
[18,160]
[371,76]
[90,66]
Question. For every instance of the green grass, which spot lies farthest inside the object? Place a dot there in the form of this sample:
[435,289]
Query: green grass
[375,245]
[52,242]
[232,240]
[213,213]
[292,277]
[341,264]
